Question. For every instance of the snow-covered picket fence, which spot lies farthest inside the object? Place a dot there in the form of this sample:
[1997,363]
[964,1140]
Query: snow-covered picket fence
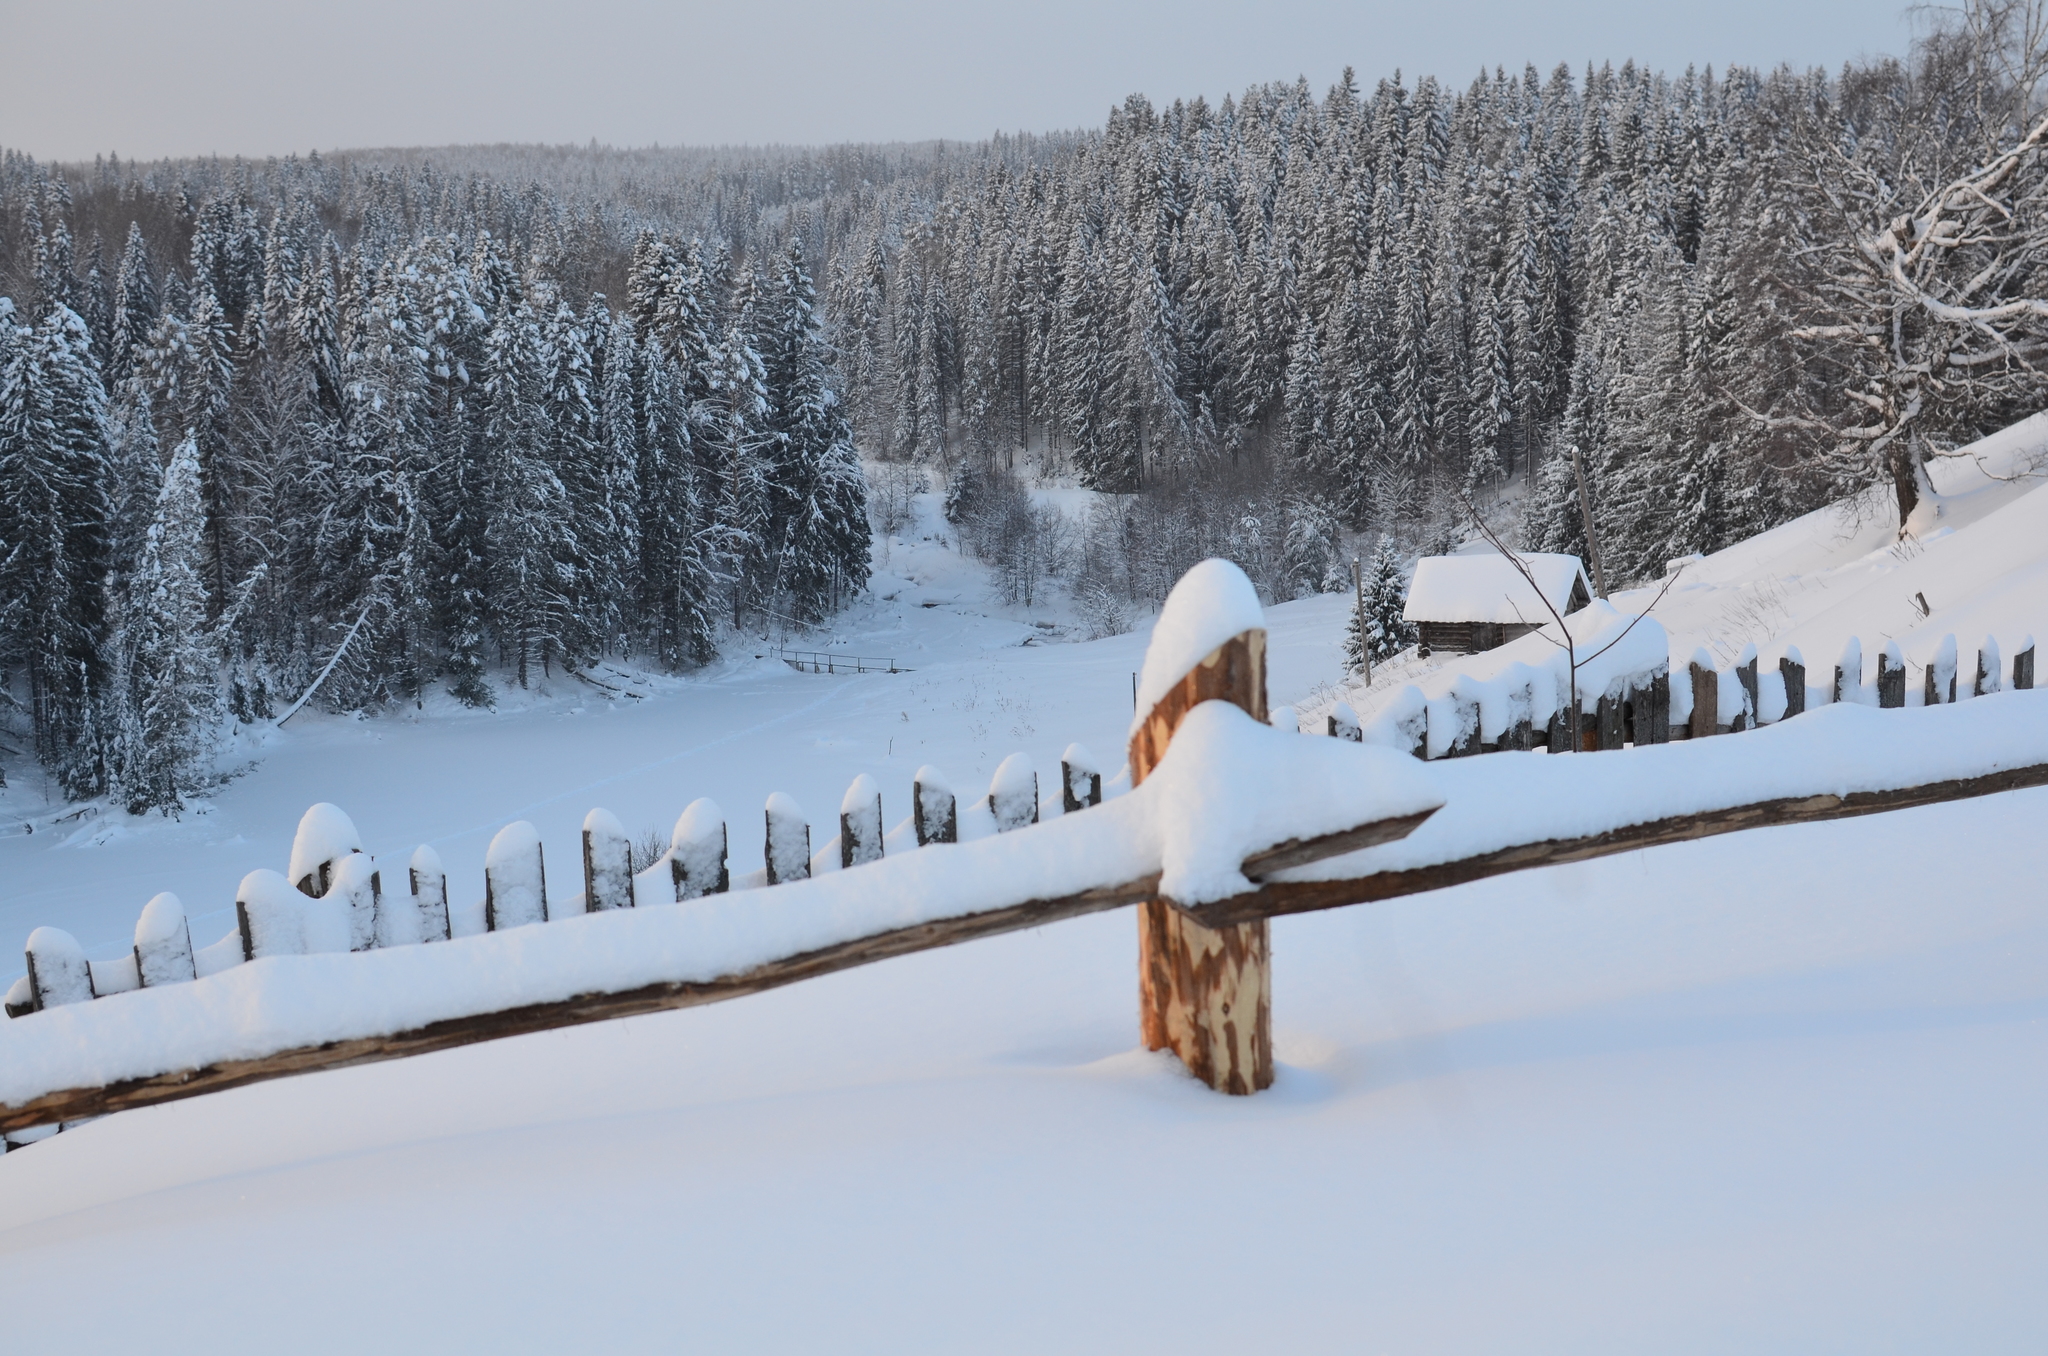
[1633,694]
[1221,821]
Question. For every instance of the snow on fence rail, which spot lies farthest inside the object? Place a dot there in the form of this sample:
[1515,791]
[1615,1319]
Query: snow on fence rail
[1634,695]
[1228,822]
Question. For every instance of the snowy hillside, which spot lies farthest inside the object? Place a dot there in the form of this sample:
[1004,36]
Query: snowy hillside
[1773,1091]
[1978,558]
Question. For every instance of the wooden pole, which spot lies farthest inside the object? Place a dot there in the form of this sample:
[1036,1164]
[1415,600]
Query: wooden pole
[1206,993]
[1586,511]
[1358,616]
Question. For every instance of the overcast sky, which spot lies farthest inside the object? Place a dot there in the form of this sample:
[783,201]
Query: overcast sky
[261,77]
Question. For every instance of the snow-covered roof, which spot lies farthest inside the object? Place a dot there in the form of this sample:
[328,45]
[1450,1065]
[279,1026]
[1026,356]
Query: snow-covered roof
[1486,588]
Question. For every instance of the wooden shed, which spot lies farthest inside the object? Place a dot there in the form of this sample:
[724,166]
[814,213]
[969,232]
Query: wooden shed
[1477,600]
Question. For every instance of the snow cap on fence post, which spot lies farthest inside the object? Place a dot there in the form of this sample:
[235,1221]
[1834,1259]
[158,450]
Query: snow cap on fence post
[57,972]
[697,851]
[429,893]
[860,823]
[933,810]
[1013,793]
[607,863]
[1284,718]
[787,851]
[20,1000]
[325,836]
[163,943]
[1213,603]
[515,879]
[1080,779]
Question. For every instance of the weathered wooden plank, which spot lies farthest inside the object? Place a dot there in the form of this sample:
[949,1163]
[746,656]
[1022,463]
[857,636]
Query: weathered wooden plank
[1274,899]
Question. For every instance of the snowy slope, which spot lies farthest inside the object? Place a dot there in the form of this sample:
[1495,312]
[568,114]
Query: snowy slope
[1978,556]
[1777,1091]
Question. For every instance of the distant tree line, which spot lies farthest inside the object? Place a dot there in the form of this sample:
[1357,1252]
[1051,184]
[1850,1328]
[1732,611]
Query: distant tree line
[408,417]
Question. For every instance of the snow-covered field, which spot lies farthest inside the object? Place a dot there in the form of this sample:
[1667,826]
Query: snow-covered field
[1778,1091]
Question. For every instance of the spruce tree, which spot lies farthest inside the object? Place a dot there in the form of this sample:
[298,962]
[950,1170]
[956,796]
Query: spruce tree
[168,692]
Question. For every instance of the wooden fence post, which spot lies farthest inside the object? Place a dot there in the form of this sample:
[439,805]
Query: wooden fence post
[1849,672]
[1891,676]
[277,919]
[933,811]
[860,823]
[429,894]
[1940,686]
[1706,697]
[1343,723]
[1206,993]
[1745,674]
[358,889]
[1792,669]
[1987,669]
[1284,718]
[607,863]
[1013,794]
[57,972]
[1607,714]
[163,943]
[325,835]
[1080,780]
[2023,666]
[515,879]
[697,851]
[788,848]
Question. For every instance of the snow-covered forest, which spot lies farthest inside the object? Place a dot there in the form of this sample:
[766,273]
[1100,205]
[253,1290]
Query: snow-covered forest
[408,417]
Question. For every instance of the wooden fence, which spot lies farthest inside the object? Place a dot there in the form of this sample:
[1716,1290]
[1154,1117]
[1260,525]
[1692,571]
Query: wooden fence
[1205,974]
[828,661]
[1657,705]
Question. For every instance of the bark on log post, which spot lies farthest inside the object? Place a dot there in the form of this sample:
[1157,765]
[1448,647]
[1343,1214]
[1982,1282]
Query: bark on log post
[1206,993]
[1706,700]
[1940,684]
[607,863]
[1792,668]
[933,809]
